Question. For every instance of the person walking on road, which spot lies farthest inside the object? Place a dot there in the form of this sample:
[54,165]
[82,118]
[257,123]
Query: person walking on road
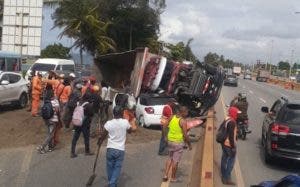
[229,146]
[116,129]
[36,94]
[177,136]
[97,100]
[85,127]
[167,114]
[72,103]
[51,123]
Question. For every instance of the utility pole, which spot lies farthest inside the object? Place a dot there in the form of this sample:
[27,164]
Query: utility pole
[271,56]
[291,62]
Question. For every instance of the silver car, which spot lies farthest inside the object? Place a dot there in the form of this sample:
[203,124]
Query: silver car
[13,89]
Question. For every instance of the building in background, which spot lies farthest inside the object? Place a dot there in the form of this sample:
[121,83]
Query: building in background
[22,27]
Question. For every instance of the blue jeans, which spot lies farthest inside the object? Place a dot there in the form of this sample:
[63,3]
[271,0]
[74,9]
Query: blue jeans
[163,144]
[227,162]
[114,160]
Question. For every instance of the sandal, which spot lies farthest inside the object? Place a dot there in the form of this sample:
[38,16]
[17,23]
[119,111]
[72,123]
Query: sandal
[176,180]
[165,179]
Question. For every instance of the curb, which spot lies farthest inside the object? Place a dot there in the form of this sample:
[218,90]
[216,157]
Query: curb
[207,176]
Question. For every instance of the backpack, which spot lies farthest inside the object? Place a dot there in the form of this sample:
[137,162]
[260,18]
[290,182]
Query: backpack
[74,98]
[78,114]
[47,110]
[222,132]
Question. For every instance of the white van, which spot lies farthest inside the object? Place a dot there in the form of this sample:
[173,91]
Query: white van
[44,65]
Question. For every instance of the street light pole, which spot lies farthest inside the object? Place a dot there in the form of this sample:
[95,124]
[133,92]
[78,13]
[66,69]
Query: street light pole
[292,58]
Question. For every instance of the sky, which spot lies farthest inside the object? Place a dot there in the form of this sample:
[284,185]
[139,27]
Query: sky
[244,31]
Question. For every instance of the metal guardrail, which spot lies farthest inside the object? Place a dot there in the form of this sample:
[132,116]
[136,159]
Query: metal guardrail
[207,175]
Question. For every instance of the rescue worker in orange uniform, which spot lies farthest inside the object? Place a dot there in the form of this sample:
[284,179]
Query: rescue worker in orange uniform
[36,93]
[64,98]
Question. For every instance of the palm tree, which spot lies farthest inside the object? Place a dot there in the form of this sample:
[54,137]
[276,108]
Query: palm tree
[80,21]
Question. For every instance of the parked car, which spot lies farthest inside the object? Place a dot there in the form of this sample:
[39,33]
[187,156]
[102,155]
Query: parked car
[281,130]
[292,180]
[13,89]
[231,80]
[149,108]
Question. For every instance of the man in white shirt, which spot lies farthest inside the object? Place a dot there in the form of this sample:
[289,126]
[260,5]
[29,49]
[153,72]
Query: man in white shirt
[116,129]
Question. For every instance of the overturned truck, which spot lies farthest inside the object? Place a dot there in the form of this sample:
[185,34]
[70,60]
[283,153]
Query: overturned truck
[197,85]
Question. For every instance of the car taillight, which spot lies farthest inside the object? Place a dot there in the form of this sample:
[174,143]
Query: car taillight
[280,129]
[149,110]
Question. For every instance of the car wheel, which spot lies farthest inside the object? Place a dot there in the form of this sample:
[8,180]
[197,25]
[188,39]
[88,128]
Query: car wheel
[23,100]
[268,157]
[142,121]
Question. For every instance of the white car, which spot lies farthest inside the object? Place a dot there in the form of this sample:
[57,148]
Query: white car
[149,108]
[13,89]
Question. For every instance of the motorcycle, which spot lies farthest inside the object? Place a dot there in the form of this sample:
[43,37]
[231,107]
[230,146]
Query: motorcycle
[242,129]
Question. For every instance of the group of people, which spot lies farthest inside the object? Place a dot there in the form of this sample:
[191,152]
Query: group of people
[67,98]
[67,95]
[59,96]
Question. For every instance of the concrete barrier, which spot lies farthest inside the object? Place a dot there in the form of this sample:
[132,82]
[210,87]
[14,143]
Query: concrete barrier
[208,153]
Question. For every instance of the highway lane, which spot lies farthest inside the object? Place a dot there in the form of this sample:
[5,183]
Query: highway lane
[250,154]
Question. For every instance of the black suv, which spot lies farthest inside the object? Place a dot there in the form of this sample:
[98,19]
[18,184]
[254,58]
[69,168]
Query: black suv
[281,130]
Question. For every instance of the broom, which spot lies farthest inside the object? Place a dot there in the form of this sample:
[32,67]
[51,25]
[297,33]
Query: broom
[93,176]
[100,141]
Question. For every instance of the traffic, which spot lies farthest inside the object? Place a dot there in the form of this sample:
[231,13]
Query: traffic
[270,149]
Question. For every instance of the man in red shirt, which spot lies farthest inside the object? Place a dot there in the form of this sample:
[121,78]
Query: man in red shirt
[167,114]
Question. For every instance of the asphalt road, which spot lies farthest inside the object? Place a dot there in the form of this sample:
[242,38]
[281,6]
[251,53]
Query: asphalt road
[24,167]
[251,166]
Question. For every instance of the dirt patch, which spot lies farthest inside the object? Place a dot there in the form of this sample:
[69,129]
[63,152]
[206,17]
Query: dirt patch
[18,129]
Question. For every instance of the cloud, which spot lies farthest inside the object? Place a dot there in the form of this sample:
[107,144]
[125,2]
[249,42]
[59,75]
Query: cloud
[240,30]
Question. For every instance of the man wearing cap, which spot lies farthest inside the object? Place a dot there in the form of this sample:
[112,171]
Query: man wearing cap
[36,93]
[229,146]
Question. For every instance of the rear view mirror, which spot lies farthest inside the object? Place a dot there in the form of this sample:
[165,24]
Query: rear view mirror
[4,82]
[265,109]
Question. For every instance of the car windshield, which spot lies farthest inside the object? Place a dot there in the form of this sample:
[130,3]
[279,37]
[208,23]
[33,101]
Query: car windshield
[231,76]
[42,67]
[157,101]
[292,115]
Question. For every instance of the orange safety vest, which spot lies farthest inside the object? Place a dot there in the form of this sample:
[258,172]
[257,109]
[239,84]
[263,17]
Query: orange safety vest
[36,86]
[66,92]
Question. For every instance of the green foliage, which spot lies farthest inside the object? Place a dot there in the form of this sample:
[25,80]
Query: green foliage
[215,59]
[80,20]
[135,22]
[55,51]
[283,65]
[181,51]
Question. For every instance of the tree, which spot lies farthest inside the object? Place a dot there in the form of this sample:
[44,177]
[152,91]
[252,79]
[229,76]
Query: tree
[80,20]
[135,22]
[215,59]
[55,51]
[188,53]
[283,65]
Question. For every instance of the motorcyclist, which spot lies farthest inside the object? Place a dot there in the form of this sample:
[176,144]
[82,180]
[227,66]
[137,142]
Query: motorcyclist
[242,104]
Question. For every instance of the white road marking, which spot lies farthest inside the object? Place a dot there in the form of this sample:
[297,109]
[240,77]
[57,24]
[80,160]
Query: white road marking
[244,86]
[264,101]
[251,91]
[237,168]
